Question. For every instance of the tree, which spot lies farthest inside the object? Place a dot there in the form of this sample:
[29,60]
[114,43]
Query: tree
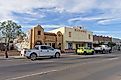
[10,31]
[111,44]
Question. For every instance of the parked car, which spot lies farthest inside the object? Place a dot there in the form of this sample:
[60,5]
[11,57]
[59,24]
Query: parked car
[102,49]
[41,51]
[84,50]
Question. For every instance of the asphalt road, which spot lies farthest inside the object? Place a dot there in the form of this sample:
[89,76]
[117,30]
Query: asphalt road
[69,67]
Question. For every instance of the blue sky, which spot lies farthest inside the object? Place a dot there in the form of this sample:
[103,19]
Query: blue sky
[103,17]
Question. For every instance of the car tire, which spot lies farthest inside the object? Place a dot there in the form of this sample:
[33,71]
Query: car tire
[92,52]
[110,51]
[33,56]
[57,55]
[85,53]
[104,51]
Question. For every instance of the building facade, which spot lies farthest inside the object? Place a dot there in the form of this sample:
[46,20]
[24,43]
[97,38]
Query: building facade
[101,39]
[75,37]
[37,36]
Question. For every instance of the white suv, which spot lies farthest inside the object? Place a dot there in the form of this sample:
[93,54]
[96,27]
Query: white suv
[41,51]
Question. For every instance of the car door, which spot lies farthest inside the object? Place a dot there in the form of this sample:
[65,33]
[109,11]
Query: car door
[44,51]
[37,50]
[51,50]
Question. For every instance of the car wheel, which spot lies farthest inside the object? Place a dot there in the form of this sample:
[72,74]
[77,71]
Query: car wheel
[33,56]
[110,51]
[57,55]
[85,52]
[93,52]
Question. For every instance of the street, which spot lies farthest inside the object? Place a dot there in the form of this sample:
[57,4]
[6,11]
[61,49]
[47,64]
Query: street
[68,67]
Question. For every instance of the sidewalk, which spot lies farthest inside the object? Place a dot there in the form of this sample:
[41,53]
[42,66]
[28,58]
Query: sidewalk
[63,55]
[11,57]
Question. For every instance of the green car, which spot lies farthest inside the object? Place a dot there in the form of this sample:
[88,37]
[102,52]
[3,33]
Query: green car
[83,50]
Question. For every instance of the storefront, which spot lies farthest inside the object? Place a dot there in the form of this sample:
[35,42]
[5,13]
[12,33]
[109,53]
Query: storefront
[75,37]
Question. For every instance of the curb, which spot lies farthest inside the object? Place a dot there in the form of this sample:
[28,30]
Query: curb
[11,57]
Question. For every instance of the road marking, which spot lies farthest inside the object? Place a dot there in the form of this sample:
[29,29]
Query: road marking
[50,71]
[113,58]
[32,75]
[41,61]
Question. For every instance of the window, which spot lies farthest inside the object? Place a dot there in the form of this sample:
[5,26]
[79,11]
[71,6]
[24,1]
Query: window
[69,34]
[70,46]
[59,35]
[39,32]
[89,36]
[46,47]
[43,47]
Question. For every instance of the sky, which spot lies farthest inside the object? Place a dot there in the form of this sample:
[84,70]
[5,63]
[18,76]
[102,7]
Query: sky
[102,17]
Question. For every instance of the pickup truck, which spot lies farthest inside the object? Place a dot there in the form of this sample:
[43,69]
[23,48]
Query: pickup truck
[41,51]
[102,49]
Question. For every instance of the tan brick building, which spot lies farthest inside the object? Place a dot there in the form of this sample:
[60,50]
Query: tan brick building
[38,36]
[101,39]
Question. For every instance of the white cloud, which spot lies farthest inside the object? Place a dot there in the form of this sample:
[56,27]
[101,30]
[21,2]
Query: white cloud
[108,32]
[111,12]
[75,6]
[111,8]
[25,6]
[85,19]
[109,21]
[21,6]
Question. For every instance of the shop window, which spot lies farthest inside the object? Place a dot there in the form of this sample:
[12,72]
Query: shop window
[69,34]
[70,46]
[39,32]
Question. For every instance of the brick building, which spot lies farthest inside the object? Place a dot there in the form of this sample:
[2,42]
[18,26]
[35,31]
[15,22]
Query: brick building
[101,39]
[38,36]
